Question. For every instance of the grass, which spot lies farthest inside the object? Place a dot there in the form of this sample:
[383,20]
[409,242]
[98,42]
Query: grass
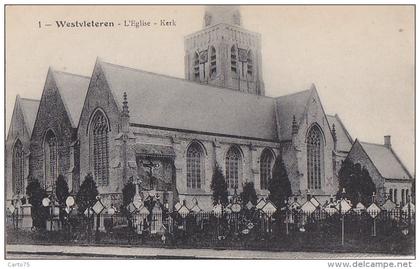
[393,243]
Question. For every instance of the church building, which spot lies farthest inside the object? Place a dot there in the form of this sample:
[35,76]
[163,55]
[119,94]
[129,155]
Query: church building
[124,124]
[17,146]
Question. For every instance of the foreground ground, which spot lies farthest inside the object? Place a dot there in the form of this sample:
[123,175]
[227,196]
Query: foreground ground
[112,252]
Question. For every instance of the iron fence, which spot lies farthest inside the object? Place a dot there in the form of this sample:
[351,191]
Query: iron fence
[248,228]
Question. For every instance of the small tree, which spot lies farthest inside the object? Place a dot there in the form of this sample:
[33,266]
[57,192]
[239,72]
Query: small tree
[87,194]
[128,193]
[35,194]
[279,184]
[219,186]
[249,194]
[61,190]
[357,182]
[413,191]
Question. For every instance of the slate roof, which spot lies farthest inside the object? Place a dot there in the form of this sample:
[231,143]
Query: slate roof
[163,101]
[154,150]
[73,89]
[289,105]
[29,110]
[386,161]
[344,140]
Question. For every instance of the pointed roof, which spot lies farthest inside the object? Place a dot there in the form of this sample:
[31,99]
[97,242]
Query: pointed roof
[163,101]
[73,89]
[229,14]
[288,106]
[29,110]
[344,140]
[385,160]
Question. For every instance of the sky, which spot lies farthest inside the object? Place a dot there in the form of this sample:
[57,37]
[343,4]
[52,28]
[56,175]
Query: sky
[360,58]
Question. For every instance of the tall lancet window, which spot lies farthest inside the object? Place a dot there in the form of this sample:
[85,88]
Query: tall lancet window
[18,168]
[213,67]
[233,164]
[233,60]
[196,67]
[266,163]
[50,160]
[99,147]
[396,196]
[250,65]
[195,166]
[315,148]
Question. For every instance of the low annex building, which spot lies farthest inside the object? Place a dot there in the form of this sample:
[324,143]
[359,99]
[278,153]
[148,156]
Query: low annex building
[391,177]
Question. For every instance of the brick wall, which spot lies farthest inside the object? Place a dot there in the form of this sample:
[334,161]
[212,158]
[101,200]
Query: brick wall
[100,97]
[314,116]
[17,130]
[222,37]
[358,155]
[291,164]
[215,148]
[53,116]
[398,185]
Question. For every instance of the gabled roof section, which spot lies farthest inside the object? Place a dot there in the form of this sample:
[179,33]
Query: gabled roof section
[163,101]
[344,140]
[288,106]
[386,161]
[29,109]
[73,89]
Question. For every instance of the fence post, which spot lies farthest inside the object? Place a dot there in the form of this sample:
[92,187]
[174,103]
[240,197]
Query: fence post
[374,227]
[129,228]
[97,227]
[218,228]
[409,214]
[374,219]
[17,218]
[51,218]
[17,223]
[342,225]
[89,224]
[68,227]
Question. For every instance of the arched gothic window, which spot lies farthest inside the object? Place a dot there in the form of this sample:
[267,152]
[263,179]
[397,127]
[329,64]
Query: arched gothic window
[233,167]
[395,196]
[403,196]
[213,68]
[50,160]
[250,64]
[18,168]
[196,67]
[233,60]
[99,144]
[315,148]
[266,163]
[195,166]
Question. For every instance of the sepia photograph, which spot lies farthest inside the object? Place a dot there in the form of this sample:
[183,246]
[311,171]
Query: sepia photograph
[244,132]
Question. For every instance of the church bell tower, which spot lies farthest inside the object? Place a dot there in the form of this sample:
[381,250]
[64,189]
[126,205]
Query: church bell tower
[223,53]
